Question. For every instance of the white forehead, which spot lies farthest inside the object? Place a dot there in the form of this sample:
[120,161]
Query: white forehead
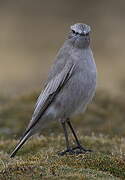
[81,28]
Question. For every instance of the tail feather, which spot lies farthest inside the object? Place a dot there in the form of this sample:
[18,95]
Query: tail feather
[20,144]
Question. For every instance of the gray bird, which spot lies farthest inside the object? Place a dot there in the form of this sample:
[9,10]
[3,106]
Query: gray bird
[69,88]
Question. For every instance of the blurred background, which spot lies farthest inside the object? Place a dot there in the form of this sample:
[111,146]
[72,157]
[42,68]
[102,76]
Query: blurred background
[31,33]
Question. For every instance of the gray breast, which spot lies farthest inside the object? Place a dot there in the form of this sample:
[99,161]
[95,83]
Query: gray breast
[77,93]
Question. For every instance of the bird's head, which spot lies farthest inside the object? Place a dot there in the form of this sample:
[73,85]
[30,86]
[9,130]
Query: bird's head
[79,35]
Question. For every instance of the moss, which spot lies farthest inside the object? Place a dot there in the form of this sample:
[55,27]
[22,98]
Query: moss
[39,158]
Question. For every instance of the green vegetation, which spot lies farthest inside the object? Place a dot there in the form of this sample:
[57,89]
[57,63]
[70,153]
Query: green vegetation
[101,128]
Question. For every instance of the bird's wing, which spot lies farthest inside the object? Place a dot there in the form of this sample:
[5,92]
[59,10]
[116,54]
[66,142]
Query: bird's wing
[45,99]
[56,68]
[49,93]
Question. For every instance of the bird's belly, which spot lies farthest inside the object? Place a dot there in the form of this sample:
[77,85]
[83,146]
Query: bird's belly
[74,97]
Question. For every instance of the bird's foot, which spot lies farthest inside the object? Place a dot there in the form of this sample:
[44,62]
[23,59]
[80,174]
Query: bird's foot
[80,150]
[76,150]
[68,151]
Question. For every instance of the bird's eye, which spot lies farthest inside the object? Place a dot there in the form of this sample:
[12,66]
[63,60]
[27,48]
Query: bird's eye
[73,32]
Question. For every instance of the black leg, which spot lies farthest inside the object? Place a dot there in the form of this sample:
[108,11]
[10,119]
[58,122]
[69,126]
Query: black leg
[81,148]
[69,123]
[68,150]
[66,134]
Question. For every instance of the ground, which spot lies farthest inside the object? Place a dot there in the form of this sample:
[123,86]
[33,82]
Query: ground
[101,129]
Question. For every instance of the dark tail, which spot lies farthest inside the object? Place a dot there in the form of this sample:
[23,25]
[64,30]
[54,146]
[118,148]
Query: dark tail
[20,144]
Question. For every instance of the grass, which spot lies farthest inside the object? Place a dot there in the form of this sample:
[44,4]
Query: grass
[101,129]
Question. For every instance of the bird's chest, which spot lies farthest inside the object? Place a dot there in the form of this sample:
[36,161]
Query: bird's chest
[85,84]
